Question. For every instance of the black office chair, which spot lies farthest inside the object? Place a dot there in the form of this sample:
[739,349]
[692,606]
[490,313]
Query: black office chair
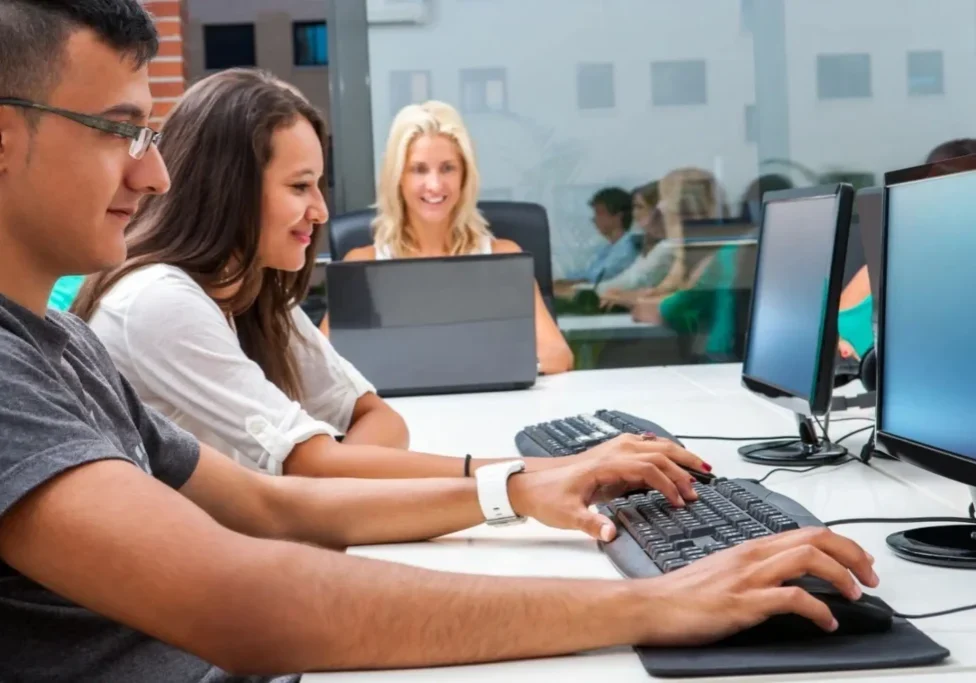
[524,223]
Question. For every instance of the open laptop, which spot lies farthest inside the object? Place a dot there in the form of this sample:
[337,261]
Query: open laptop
[436,325]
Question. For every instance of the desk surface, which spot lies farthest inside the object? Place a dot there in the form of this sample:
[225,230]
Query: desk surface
[695,400]
[609,326]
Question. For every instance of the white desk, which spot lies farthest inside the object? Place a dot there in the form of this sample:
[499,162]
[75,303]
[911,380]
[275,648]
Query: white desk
[691,400]
[611,326]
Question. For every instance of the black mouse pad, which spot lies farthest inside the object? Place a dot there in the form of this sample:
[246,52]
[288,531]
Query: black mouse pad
[902,646]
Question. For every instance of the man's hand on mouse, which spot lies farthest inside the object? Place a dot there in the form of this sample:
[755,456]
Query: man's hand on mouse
[740,587]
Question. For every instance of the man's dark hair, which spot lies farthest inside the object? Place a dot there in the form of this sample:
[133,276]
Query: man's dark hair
[952,149]
[617,201]
[34,35]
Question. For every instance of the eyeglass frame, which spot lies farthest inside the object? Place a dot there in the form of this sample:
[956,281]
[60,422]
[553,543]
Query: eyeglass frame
[142,137]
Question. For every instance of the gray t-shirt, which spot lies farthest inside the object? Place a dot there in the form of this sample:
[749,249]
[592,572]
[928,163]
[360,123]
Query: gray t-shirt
[63,404]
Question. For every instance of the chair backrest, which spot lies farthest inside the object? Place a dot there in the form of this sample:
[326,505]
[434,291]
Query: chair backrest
[350,231]
[524,223]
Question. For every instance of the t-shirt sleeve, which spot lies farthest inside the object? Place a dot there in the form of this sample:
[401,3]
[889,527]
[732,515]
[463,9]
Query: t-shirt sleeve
[173,452]
[43,428]
[188,357]
[331,384]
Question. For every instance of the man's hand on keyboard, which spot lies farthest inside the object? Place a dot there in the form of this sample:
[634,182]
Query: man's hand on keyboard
[740,587]
[560,497]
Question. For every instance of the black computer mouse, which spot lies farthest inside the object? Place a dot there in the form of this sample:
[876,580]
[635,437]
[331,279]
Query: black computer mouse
[865,615]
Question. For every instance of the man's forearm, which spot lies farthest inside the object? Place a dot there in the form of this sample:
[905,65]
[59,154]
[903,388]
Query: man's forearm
[379,427]
[326,611]
[342,512]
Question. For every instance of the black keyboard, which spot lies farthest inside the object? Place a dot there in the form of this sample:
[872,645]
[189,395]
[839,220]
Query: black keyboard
[571,435]
[654,537]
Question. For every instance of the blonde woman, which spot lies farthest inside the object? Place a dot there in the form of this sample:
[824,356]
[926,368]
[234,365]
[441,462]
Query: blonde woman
[427,207]
[685,194]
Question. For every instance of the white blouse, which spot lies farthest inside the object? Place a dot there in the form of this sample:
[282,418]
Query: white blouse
[176,347]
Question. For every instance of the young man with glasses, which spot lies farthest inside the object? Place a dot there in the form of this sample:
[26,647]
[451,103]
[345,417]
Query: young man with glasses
[124,557]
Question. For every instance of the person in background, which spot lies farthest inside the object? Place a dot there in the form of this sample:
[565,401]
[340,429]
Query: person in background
[686,194]
[613,211]
[203,315]
[427,207]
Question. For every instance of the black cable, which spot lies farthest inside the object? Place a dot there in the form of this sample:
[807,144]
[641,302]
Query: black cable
[900,520]
[972,510]
[856,431]
[936,614]
[853,419]
[736,438]
[806,469]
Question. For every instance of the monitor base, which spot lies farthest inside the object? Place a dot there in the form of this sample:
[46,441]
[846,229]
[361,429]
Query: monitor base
[793,453]
[942,546]
[805,450]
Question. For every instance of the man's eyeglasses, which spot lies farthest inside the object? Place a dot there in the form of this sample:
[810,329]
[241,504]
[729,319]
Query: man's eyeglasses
[142,138]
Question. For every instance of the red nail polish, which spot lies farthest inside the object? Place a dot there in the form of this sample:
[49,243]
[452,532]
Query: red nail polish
[706,467]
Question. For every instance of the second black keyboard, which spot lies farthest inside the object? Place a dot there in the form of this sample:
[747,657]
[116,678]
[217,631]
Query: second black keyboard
[570,435]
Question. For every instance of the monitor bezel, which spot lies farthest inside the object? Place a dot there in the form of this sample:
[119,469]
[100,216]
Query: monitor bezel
[936,460]
[820,398]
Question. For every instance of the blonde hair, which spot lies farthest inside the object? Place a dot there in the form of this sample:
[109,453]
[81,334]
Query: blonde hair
[686,194]
[469,227]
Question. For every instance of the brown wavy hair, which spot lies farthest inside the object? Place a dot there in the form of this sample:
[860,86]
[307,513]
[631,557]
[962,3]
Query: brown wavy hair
[216,144]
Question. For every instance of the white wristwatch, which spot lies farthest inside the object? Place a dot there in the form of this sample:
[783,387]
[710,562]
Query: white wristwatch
[493,492]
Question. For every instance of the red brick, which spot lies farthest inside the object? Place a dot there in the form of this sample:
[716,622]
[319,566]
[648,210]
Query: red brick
[167,89]
[163,8]
[166,69]
[170,29]
[171,48]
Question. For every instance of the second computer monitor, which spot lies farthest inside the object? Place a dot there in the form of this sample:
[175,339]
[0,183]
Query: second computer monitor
[792,335]
[926,359]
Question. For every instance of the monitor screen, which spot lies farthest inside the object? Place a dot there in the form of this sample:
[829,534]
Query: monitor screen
[796,254]
[927,392]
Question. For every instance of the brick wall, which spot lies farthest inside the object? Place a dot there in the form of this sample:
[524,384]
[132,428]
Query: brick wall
[167,73]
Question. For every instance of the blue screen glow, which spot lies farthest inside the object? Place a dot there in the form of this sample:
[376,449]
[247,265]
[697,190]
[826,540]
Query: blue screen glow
[790,297]
[929,381]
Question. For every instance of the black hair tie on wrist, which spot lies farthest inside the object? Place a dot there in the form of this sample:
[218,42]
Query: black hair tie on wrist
[467,465]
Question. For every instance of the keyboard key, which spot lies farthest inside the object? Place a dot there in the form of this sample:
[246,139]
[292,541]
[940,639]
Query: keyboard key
[670,532]
[662,557]
[692,554]
[683,543]
[673,566]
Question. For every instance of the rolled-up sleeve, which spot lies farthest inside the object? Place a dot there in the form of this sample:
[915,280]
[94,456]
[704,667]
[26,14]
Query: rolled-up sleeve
[331,384]
[188,359]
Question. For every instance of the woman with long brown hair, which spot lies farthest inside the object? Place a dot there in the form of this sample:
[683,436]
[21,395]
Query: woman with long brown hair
[203,316]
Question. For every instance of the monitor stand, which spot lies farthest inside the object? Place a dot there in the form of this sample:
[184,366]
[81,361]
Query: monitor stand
[807,449]
[943,546]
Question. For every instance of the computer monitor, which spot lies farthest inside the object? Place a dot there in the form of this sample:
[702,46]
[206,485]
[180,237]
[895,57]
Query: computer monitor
[792,334]
[926,358]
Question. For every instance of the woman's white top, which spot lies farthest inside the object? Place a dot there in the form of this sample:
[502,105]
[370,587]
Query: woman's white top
[182,356]
[383,252]
[648,270]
